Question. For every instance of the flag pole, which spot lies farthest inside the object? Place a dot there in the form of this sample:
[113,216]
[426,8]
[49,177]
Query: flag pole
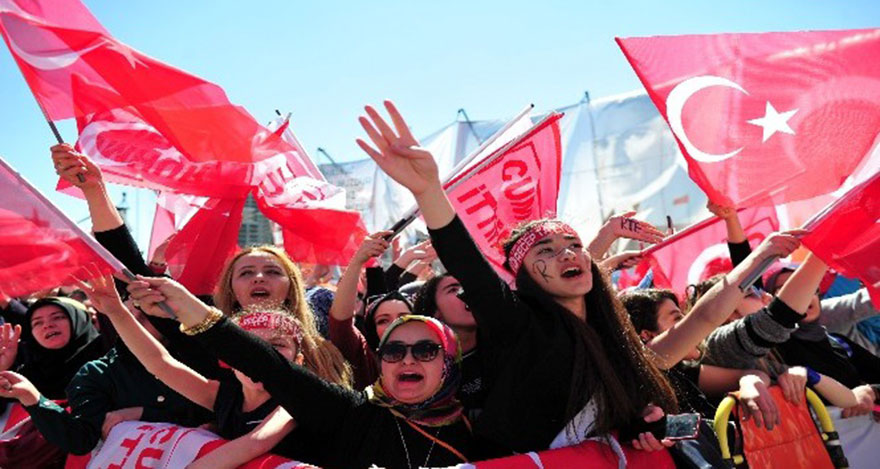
[88,239]
[55,131]
[411,214]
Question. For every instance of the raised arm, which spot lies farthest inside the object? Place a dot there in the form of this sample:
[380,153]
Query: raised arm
[313,402]
[70,164]
[345,298]
[397,153]
[717,304]
[147,349]
[622,226]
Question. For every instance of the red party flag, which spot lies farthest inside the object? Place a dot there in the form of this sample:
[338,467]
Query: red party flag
[40,248]
[846,235]
[145,123]
[767,118]
[700,251]
[516,183]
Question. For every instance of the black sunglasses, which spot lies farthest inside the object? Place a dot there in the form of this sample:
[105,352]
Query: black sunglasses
[423,351]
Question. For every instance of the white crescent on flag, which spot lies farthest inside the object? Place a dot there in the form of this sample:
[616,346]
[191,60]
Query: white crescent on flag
[58,59]
[675,104]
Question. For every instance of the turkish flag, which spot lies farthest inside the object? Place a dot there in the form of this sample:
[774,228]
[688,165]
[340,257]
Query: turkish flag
[40,247]
[145,122]
[846,235]
[516,183]
[700,251]
[764,119]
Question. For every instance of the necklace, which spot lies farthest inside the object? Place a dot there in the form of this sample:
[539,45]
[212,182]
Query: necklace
[406,450]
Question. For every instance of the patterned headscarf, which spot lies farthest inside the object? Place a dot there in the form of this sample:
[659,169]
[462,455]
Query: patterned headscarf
[442,408]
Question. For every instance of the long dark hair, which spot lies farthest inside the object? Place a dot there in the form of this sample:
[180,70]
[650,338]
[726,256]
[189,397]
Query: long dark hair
[609,364]
[426,299]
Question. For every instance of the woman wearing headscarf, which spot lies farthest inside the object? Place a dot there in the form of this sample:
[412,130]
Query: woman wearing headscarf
[408,418]
[60,339]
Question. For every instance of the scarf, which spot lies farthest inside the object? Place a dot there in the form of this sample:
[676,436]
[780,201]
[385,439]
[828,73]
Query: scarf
[52,370]
[440,409]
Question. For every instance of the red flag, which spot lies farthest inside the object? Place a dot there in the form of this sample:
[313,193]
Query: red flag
[146,123]
[518,182]
[40,247]
[700,251]
[312,234]
[199,251]
[846,235]
[764,119]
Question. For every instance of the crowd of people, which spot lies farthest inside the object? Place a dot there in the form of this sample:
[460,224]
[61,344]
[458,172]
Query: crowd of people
[435,360]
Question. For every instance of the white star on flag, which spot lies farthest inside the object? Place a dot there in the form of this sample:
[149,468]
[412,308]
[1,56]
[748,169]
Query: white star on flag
[773,122]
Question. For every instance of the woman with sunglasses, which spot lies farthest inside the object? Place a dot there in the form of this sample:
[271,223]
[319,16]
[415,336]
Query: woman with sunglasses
[559,356]
[409,418]
[359,348]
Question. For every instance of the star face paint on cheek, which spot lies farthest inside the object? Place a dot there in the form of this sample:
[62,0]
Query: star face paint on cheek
[540,268]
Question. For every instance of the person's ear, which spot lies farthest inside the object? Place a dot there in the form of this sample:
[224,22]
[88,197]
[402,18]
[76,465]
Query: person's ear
[646,336]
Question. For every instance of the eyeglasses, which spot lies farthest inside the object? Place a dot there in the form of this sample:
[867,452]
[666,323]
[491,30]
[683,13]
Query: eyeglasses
[423,351]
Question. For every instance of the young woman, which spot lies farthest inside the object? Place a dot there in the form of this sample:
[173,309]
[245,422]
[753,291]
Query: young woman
[560,358]
[60,338]
[239,404]
[409,418]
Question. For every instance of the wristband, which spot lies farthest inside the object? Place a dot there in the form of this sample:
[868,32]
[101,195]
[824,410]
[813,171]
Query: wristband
[813,377]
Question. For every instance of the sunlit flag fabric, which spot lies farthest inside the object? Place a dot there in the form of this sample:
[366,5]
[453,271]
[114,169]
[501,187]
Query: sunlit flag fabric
[846,235]
[767,118]
[40,247]
[516,183]
[159,127]
[700,251]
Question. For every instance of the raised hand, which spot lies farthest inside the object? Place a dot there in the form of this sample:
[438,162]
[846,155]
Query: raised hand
[397,152]
[625,226]
[9,336]
[780,244]
[723,212]
[102,292]
[16,386]
[148,292]
[372,246]
[70,164]
[423,251]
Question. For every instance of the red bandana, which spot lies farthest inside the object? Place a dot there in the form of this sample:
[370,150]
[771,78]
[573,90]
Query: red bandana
[537,233]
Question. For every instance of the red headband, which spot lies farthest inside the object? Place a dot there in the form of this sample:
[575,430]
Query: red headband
[535,234]
[280,322]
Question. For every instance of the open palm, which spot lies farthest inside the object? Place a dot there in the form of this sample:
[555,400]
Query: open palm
[397,152]
[9,336]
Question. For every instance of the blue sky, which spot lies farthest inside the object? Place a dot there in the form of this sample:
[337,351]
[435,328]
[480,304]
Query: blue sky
[324,60]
